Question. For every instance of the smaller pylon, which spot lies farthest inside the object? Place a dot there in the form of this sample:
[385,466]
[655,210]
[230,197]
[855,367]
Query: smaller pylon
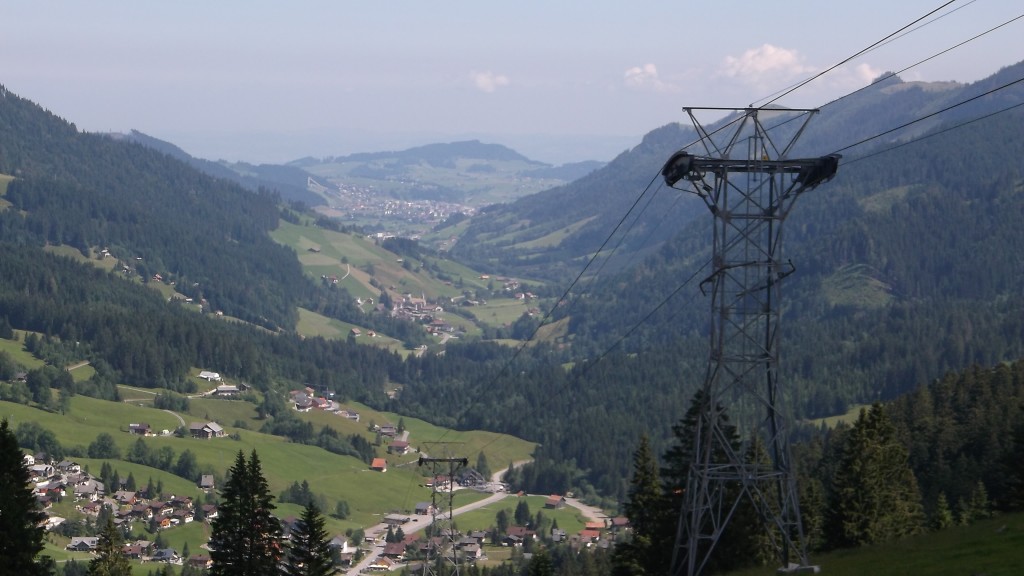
[442,553]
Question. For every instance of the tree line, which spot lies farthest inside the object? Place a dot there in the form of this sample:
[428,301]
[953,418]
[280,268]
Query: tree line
[948,453]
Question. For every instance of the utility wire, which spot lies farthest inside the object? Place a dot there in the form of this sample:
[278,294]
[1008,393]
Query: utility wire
[898,72]
[688,280]
[844,61]
[891,37]
[643,320]
[871,48]
[927,116]
[931,134]
[563,298]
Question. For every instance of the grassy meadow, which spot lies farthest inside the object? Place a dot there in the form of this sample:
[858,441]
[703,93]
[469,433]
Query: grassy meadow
[991,547]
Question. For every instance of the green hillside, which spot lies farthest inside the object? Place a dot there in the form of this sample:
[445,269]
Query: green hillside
[366,267]
[991,547]
[470,173]
[337,478]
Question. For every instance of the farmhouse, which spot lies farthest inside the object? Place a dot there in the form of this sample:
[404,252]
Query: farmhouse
[398,447]
[226,391]
[83,543]
[555,501]
[141,429]
[396,519]
[69,467]
[394,550]
[206,430]
[201,561]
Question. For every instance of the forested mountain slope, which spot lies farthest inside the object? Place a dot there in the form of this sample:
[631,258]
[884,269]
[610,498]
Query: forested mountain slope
[290,182]
[908,264]
[553,233]
[153,213]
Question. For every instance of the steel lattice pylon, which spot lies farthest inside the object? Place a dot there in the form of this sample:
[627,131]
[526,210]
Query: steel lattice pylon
[749,184]
[442,552]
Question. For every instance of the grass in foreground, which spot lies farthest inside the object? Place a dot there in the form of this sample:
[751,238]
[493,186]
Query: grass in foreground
[991,547]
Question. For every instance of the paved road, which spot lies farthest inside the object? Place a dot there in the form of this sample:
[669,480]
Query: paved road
[143,391]
[589,512]
[178,416]
[417,523]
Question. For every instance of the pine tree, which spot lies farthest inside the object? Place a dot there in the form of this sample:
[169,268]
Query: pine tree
[522,513]
[245,538]
[309,553]
[110,559]
[942,518]
[21,532]
[976,507]
[482,467]
[875,497]
[675,476]
[541,565]
[645,508]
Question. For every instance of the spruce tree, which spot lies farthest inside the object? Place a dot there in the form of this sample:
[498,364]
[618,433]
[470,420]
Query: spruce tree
[246,537]
[110,559]
[522,513]
[875,497]
[21,532]
[482,466]
[675,475]
[645,508]
[942,518]
[309,553]
[541,565]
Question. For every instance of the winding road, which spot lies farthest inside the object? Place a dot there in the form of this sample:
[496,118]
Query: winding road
[151,393]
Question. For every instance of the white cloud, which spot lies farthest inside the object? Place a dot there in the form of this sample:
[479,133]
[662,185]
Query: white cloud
[644,78]
[867,72]
[489,81]
[766,64]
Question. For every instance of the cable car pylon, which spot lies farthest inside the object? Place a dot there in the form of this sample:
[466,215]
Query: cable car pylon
[744,175]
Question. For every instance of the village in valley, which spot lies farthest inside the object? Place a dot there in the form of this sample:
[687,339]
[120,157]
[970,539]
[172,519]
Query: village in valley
[148,514]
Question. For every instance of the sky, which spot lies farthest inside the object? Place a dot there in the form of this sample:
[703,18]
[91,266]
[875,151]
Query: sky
[558,81]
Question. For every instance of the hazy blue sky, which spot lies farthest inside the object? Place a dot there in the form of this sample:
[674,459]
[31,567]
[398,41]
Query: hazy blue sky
[556,80]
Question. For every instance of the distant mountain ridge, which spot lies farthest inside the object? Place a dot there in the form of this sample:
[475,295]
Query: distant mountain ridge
[539,235]
[289,181]
[443,153]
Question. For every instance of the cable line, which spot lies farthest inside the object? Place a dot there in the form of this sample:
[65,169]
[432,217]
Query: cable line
[927,116]
[929,135]
[902,70]
[844,61]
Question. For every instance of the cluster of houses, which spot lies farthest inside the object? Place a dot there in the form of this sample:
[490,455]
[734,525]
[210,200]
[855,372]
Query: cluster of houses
[54,482]
[468,546]
[420,311]
[398,444]
[201,430]
[307,399]
[594,533]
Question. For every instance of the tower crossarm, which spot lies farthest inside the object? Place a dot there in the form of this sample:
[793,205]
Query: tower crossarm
[810,172]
